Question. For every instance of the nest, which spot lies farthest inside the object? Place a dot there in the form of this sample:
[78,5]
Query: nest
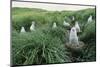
[74,46]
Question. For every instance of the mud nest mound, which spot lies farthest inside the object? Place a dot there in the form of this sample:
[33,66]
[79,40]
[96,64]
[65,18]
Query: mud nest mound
[75,47]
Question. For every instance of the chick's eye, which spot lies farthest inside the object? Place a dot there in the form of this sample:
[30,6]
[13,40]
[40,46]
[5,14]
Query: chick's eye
[73,30]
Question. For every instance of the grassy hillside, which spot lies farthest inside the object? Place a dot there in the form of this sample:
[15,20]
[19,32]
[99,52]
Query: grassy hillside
[47,45]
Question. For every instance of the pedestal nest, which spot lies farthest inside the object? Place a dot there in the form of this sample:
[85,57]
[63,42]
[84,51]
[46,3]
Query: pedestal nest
[75,47]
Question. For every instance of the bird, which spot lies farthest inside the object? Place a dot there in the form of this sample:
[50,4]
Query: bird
[77,27]
[22,29]
[73,38]
[73,18]
[32,27]
[54,25]
[90,18]
[66,24]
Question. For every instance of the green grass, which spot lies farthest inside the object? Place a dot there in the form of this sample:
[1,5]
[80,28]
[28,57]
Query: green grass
[39,48]
[47,45]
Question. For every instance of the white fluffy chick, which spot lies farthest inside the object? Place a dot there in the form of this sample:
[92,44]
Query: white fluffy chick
[90,18]
[32,27]
[66,24]
[54,25]
[77,27]
[73,38]
[73,18]
[22,30]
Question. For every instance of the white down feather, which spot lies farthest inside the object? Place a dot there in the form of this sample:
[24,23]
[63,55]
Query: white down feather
[54,25]
[22,29]
[73,38]
[66,24]
[32,27]
[77,26]
[90,18]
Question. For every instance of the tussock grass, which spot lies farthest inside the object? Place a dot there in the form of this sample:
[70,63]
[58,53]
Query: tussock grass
[47,45]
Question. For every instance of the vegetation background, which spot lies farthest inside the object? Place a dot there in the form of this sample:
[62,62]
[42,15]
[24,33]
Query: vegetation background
[47,45]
